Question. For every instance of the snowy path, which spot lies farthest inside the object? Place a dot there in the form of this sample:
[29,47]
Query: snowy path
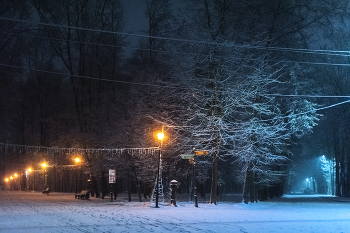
[60,212]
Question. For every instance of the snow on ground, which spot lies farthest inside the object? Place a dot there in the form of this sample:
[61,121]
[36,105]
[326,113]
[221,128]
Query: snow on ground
[60,212]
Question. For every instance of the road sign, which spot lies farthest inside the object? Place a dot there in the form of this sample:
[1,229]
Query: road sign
[186,156]
[201,152]
[111,176]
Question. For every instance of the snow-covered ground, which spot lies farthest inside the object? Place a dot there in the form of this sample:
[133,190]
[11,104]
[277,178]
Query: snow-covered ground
[60,212]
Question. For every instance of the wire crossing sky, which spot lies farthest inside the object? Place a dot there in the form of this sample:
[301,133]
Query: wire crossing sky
[341,53]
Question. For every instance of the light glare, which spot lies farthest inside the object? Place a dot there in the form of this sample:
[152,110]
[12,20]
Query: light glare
[160,136]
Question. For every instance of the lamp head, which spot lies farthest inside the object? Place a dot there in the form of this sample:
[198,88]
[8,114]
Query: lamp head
[160,136]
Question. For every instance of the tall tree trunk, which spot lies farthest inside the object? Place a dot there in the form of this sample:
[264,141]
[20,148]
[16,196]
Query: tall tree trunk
[137,184]
[248,186]
[214,180]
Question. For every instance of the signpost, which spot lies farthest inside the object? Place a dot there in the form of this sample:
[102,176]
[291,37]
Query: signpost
[187,156]
[112,176]
[201,152]
[112,179]
[190,157]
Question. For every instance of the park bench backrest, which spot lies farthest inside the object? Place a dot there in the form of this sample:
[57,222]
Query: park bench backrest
[84,192]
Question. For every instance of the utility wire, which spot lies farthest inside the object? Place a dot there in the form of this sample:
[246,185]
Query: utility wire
[310,96]
[229,44]
[190,53]
[314,110]
[162,86]
[92,78]
[277,95]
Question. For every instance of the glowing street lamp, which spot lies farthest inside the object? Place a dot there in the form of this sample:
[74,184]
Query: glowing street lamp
[6,179]
[160,137]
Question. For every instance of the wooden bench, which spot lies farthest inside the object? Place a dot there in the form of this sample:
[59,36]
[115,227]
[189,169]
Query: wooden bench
[46,191]
[85,194]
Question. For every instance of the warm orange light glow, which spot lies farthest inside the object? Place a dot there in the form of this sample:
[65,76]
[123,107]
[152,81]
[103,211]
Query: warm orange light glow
[15,174]
[77,160]
[29,169]
[7,180]
[160,136]
[44,165]
[11,178]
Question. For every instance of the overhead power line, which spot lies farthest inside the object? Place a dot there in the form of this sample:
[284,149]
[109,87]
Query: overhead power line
[317,109]
[343,53]
[88,77]
[181,53]
[158,85]
[311,96]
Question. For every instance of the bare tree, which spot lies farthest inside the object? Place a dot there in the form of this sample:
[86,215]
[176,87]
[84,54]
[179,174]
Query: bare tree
[84,39]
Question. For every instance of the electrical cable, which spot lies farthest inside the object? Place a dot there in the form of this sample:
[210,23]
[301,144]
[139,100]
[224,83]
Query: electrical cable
[162,86]
[88,77]
[308,51]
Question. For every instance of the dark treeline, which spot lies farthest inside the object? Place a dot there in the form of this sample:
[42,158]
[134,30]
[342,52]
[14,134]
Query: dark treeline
[204,70]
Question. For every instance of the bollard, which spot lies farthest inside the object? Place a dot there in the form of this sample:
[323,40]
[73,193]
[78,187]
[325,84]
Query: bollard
[195,197]
[111,187]
[173,187]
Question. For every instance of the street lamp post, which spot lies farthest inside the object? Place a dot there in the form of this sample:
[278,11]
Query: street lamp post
[76,175]
[45,175]
[16,182]
[7,183]
[33,180]
[195,183]
[11,179]
[28,172]
[160,137]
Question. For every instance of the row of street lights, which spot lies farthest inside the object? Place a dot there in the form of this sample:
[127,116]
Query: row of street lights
[44,165]
[27,172]
[11,177]
[77,161]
